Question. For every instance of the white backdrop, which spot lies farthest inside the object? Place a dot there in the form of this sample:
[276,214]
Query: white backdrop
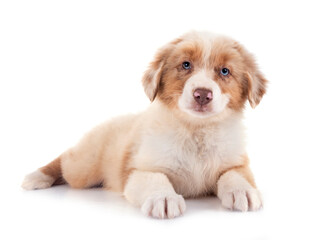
[66,66]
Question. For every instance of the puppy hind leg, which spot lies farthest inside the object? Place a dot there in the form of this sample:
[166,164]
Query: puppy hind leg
[82,169]
[44,177]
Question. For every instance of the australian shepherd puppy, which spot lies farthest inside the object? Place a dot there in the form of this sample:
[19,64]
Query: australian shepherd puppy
[188,143]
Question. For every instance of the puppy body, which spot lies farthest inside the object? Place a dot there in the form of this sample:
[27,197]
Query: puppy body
[182,145]
[191,157]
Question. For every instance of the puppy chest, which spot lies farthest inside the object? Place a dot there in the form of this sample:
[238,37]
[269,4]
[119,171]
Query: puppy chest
[191,161]
[194,166]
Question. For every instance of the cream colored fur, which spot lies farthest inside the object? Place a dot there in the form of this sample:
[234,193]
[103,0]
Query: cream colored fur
[163,154]
[37,180]
[237,194]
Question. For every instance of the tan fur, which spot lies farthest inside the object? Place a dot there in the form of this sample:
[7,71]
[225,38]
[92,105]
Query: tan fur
[167,151]
[53,169]
[243,169]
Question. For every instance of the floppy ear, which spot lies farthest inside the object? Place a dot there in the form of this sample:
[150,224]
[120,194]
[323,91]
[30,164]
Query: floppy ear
[152,77]
[256,83]
[256,88]
[153,74]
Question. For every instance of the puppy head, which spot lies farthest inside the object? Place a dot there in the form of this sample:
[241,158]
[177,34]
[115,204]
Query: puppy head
[204,75]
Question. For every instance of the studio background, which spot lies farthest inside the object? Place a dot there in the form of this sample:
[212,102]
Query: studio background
[66,66]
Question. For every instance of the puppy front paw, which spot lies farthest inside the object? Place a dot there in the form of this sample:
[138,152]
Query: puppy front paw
[163,205]
[242,200]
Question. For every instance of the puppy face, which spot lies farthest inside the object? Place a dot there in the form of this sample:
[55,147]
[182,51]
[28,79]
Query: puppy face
[203,75]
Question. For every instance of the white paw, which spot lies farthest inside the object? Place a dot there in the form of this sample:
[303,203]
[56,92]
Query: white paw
[242,200]
[37,180]
[164,206]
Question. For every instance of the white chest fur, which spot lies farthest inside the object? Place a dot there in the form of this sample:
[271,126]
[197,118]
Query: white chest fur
[191,158]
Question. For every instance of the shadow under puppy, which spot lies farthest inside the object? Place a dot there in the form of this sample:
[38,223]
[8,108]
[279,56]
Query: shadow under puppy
[190,140]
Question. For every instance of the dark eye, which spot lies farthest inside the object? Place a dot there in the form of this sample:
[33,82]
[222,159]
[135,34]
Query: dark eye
[225,71]
[186,65]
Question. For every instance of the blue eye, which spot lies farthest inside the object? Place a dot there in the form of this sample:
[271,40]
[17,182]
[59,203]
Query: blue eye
[186,65]
[225,71]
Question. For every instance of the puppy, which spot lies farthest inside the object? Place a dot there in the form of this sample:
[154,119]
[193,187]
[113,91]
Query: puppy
[188,143]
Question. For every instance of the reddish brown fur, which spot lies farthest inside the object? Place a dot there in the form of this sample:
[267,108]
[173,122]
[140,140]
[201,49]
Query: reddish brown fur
[158,62]
[252,76]
[53,169]
[234,83]
[173,76]
[238,84]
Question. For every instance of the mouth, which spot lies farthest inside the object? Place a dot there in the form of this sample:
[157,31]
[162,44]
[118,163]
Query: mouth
[201,111]
[201,108]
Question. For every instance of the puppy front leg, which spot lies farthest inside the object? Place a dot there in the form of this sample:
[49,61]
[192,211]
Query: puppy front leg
[237,191]
[154,193]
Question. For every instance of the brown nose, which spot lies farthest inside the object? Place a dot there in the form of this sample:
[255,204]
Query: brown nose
[203,96]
